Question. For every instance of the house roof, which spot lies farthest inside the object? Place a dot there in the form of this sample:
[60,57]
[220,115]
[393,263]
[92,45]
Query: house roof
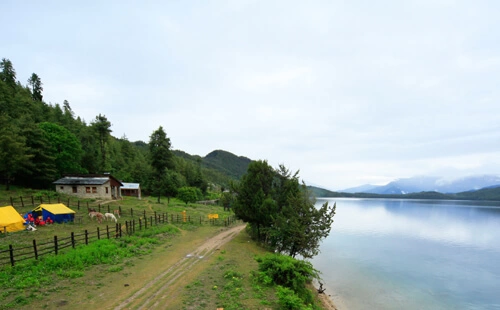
[130,186]
[90,179]
[81,181]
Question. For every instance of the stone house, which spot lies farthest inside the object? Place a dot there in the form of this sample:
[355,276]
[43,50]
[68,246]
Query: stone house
[98,186]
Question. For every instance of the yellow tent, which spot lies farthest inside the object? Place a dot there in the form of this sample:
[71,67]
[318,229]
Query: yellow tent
[58,212]
[10,219]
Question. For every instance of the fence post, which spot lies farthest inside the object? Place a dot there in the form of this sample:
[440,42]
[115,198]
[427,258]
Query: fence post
[99,205]
[120,208]
[68,202]
[145,223]
[11,252]
[109,210]
[189,218]
[55,245]
[73,239]
[155,219]
[35,249]
[78,204]
[107,231]
[86,237]
[22,202]
[120,230]
[126,226]
[144,213]
[98,233]
[140,224]
[151,221]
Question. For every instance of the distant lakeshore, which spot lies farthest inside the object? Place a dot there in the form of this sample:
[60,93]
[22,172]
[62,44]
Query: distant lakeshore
[488,194]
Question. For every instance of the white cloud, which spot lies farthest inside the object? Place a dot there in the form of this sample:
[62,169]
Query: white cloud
[348,93]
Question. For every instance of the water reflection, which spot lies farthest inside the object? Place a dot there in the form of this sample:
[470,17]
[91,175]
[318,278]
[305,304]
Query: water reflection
[440,221]
[394,254]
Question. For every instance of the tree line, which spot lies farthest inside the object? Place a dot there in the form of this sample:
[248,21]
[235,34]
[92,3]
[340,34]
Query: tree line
[41,142]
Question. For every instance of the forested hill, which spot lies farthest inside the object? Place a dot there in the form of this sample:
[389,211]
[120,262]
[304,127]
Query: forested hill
[490,194]
[220,167]
[228,163]
[40,142]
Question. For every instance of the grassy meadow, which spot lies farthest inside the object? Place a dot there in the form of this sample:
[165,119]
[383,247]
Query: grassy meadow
[105,272]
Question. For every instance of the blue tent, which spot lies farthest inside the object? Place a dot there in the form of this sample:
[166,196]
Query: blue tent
[57,212]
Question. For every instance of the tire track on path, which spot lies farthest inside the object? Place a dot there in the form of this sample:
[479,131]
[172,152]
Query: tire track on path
[149,296]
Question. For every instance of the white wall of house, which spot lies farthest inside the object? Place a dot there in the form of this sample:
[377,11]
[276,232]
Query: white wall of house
[103,191]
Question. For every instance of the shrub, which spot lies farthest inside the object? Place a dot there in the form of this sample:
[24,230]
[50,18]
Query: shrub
[288,272]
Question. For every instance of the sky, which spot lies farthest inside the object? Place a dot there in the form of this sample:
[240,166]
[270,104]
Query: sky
[346,92]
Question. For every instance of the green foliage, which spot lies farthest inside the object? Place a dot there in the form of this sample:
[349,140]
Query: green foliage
[102,126]
[287,299]
[189,194]
[288,272]
[280,211]
[64,147]
[160,158]
[14,154]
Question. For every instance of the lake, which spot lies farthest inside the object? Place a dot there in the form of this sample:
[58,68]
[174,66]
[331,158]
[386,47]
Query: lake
[412,254]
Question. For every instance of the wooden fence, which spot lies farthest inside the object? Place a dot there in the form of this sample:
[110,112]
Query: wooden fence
[12,255]
[21,202]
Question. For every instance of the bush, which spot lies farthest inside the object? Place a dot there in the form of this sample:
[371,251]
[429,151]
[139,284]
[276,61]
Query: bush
[288,272]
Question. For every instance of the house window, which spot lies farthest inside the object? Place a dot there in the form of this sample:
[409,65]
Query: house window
[75,190]
[94,190]
[87,190]
[106,189]
[61,187]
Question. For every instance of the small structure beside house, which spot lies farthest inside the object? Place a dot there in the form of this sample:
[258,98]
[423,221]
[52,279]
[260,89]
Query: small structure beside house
[131,189]
[101,186]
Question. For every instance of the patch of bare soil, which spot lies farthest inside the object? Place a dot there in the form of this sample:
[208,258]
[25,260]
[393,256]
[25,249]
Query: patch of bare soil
[156,293]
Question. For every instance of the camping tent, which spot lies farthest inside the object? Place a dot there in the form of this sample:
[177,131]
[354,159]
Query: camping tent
[57,212]
[10,219]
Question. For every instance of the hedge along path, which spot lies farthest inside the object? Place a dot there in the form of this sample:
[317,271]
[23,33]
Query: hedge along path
[157,293]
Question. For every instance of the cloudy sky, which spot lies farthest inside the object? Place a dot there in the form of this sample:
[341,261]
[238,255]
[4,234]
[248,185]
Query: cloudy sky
[347,92]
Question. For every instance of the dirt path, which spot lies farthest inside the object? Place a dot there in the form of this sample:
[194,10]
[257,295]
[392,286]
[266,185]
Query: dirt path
[156,293]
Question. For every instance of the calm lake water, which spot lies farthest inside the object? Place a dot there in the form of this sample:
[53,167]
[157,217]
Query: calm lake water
[412,254]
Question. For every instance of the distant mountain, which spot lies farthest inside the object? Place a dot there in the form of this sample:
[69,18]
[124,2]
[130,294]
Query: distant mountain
[430,184]
[360,189]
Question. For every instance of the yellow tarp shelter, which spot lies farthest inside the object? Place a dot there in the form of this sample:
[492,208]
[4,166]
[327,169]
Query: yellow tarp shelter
[58,212]
[11,219]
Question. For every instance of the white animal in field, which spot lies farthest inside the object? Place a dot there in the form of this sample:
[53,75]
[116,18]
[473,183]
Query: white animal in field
[30,228]
[110,216]
[116,212]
